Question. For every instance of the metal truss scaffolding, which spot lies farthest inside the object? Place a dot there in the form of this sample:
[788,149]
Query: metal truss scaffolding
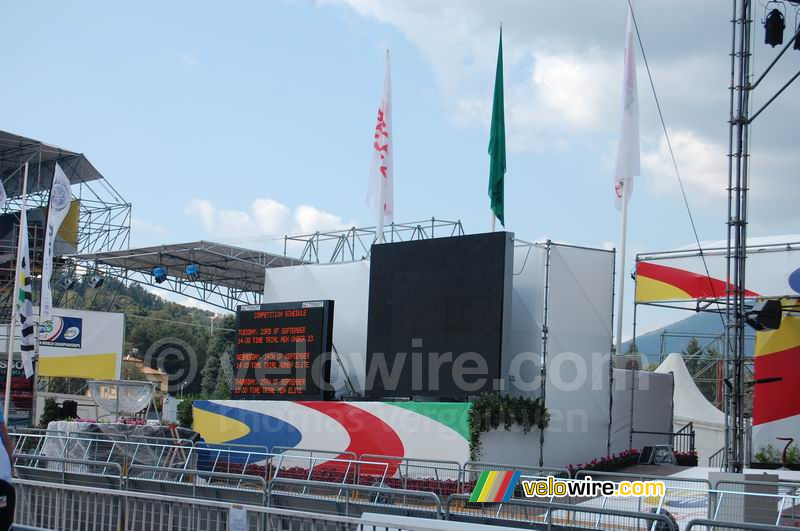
[104,217]
[230,276]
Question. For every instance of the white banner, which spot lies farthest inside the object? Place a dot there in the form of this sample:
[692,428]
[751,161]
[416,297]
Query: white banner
[628,154]
[60,197]
[380,192]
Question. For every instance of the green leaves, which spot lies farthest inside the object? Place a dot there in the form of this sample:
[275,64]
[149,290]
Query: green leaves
[490,411]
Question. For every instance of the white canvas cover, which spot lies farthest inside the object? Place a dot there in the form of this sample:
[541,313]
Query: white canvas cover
[691,406]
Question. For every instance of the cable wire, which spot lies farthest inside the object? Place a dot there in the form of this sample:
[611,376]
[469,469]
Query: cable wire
[672,156]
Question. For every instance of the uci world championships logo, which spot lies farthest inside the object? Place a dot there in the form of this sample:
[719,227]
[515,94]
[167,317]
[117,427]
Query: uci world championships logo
[64,332]
[60,196]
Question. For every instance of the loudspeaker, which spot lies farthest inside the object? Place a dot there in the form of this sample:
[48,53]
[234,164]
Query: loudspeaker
[765,315]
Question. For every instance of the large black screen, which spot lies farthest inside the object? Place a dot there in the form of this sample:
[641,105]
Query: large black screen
[431,297]
[283,351]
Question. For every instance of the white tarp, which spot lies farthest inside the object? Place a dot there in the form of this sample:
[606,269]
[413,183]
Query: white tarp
[652,408]
[347,284]
[691,406]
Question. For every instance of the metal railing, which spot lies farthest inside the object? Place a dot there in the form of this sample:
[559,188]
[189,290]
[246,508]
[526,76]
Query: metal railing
[717,459]
[559,515]
[717,525]
[761,502]
[68,507]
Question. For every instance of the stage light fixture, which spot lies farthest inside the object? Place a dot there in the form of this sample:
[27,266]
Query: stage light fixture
[160,274]
[774,25]
[192,271]
[765,315]
[65,282]
[95,280]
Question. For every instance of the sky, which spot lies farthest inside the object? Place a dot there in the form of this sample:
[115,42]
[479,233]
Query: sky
[241,121]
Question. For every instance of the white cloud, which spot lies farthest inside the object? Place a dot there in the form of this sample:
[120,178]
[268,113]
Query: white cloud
[563,68]
[702,164]
[264,218]
[187,59]
[141,226]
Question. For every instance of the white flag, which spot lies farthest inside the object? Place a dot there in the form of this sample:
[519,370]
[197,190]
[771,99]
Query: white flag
[380,194]
[25,312]
[628,154]
[3,196]
[60,199]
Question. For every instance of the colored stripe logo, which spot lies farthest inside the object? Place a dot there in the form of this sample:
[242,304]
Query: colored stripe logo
[495,487]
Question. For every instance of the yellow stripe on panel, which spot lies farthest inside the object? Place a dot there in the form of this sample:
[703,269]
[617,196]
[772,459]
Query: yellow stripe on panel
[784,338]
[216,428]
[650,290]
[98,366]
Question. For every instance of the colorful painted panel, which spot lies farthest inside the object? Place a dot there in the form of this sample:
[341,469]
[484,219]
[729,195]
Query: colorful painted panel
[776,409]
[421,430]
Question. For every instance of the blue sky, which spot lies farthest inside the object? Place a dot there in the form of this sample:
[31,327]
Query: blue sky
[242,120]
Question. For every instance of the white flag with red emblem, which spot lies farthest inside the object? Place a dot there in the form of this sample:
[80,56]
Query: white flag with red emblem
[380,194]
[628,164]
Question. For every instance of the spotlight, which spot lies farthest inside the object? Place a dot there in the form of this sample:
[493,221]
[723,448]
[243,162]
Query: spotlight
[95,280]
[160,274]
[193,271]
[773,28]
[65,282]
[765,315]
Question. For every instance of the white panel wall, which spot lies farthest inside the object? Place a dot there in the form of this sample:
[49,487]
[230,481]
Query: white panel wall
[579,309]
[523,351]
[347,284]
[652,408]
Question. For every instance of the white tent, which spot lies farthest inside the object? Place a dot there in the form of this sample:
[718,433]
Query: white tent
[691,406]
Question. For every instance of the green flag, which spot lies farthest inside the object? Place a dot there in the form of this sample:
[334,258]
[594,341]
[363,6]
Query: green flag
[497,142]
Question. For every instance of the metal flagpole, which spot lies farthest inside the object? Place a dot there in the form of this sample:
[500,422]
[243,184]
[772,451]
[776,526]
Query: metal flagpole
[494,219]
[621,273]
[14,298]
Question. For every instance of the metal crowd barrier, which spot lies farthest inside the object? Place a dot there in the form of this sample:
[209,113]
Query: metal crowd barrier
[717,525]
[764,502]
[692,493]
[352,500]
[549,515]
[46,506]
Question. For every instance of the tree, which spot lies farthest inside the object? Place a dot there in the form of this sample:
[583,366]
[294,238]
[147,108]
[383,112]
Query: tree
[210,373]
[702,365]
[132,371]
[225,380]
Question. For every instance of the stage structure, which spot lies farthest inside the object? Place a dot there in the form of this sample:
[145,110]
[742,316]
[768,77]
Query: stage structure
[679,280]
[558,348]
[98,220]
[356,243]
[229,276]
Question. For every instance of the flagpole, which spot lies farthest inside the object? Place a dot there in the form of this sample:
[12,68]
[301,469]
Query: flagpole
[494,219]
[14,303]
[621,271]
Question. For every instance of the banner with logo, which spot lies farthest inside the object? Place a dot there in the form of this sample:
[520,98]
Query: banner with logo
[81,344]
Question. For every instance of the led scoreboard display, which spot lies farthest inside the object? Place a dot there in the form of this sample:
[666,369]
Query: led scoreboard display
[283,351]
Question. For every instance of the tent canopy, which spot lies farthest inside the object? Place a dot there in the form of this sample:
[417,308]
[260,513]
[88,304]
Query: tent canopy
[689,403]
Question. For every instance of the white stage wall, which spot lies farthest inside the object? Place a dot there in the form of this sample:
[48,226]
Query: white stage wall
[579,310]
[652,408]
[347,284]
